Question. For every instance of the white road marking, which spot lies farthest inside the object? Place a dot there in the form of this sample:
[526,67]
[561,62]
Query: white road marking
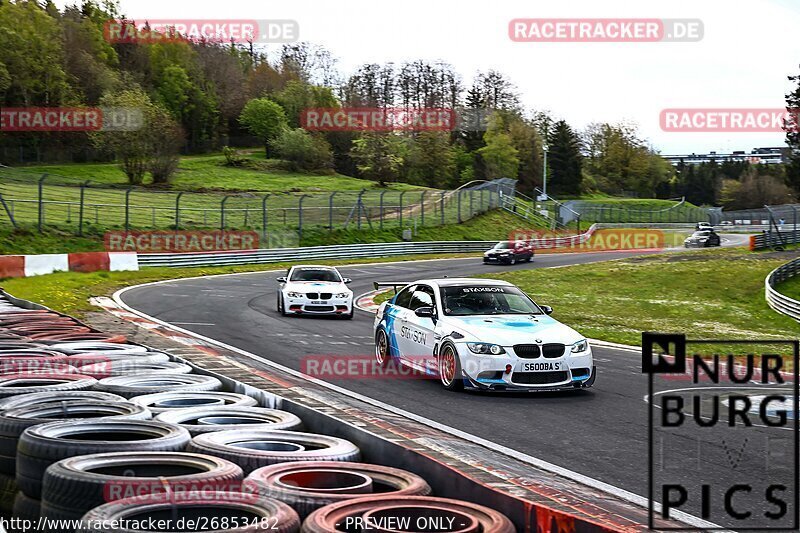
[194,324]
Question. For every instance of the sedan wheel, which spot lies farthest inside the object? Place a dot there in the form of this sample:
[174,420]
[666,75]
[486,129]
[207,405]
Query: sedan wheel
[382,348]
[450,369]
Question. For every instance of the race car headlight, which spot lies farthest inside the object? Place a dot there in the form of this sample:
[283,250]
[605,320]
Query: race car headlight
[484,348]
[580,346]
[294,295]
[341,295]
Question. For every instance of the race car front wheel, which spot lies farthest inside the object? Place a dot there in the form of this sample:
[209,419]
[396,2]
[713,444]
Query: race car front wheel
[382,348]
[281,309]
[450,368]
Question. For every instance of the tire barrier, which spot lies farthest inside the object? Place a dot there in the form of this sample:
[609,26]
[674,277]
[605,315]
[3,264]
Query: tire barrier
[127,367]
[85,359]
[201,420]
[43,398]
[415,511]
[44,444]
[14,421]
[309,485]
[252,449]
[26,508]
[15,384]
[75,485]
[34,362]
[259,513]
[81,347]
[130,386]
[162,402]
[8,491]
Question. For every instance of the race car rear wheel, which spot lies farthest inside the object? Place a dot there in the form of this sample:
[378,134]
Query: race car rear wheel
[450,368]
[382,348]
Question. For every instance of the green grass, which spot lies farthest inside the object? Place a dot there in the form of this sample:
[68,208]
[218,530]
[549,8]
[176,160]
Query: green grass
[790,288]
[493,225]
[706,294]
[69,292]
[209,172]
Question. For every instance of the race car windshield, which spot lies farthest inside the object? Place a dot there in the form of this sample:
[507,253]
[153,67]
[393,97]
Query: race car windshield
[314,275]
[487,300]
[503,246]
[701,234]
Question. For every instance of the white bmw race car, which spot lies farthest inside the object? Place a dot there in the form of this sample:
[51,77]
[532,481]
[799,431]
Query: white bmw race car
[480,334]
[314,290]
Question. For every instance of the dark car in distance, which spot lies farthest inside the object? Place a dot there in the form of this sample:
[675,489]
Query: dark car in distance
[702,239]
[509,253]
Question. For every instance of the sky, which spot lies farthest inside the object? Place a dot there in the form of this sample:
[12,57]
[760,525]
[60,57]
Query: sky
[747,51]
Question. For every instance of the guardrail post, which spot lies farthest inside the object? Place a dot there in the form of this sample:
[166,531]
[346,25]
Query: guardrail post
[360,207]
[422,208]
[128,209]
[459,205]
[380,209]
[401,208]
[177,212]
[9,212]
[41,201]
[300,218]
[222,212]
[441,206]
[80,210]
[264,219]
[330,211]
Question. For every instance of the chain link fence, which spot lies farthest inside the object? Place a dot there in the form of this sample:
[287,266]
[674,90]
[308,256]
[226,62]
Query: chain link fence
[42,201]
[679,212]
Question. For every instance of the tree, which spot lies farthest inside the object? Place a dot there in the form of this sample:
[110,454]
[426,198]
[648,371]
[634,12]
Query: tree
[793,135]
[153,146]
[377,156]
[431,161]
[755,191]
[298,96]
[265,119]
[303,151]
[499,156]
[564,161]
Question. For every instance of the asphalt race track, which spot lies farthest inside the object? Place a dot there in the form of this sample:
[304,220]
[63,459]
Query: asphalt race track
[601,432]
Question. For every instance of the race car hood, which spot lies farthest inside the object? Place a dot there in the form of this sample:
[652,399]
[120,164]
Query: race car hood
[508,330]
[315,286]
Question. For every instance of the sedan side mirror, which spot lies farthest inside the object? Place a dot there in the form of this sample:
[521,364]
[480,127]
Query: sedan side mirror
[547,309]
[424,312]
[281,279]
[346,280]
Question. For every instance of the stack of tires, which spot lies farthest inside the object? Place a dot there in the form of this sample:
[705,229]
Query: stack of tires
[94,431]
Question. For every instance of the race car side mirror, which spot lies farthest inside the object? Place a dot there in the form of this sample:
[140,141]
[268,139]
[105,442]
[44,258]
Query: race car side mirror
[424,312]
[281,279]
[346,280]
[547,309]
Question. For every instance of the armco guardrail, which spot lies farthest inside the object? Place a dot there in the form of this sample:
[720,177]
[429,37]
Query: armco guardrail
[773,238]
[777,301]
[339,251]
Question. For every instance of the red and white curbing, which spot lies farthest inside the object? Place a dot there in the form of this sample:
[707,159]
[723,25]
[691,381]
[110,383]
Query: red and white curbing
[23,266]
[366,302]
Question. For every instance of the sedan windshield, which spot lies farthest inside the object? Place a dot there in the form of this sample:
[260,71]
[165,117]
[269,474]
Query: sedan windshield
[701,234]
[315,274]
[503,245]
[487,300]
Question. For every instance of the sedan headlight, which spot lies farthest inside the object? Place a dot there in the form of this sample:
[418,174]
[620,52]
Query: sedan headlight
[580,346]
[294,295]
[341,295]
[484,348]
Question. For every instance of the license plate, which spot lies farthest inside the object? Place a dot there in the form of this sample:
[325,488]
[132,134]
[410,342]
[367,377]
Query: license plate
[317,301]
[543,366]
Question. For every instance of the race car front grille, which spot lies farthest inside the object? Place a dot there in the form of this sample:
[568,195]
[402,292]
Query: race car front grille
[325,296]
[319,308]
[553,350]
[527,351]
[539,378]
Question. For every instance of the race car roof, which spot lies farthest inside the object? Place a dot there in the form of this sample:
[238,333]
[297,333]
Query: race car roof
[314,267]
[451,282]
